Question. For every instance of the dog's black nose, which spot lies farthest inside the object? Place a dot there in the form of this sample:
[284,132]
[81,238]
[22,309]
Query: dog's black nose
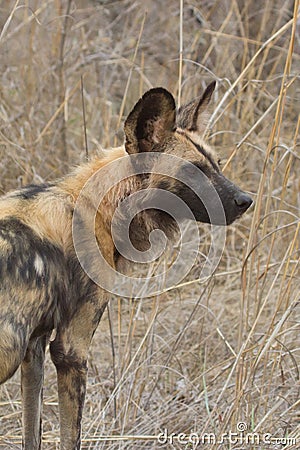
[243,200]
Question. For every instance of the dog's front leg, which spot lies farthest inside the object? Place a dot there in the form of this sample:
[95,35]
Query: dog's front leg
[69,355]
[32,374]
[71,380]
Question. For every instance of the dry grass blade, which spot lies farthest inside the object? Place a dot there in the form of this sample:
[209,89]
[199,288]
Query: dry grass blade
[8,21]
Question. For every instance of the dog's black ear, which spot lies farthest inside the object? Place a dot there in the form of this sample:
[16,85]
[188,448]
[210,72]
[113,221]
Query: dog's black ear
[190,116]
[150,122]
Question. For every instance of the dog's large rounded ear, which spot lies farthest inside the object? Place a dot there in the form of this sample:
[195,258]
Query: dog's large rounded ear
[190,116]
[150,122]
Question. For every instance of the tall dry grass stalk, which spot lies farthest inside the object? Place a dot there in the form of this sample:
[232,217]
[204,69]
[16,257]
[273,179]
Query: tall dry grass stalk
[203,356]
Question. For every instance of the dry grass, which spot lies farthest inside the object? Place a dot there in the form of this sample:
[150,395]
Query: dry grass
[201,357]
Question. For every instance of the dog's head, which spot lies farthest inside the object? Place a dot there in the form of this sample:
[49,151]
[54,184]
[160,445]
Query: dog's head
[154,125]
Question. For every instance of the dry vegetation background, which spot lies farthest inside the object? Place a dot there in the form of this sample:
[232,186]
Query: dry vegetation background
[204,356]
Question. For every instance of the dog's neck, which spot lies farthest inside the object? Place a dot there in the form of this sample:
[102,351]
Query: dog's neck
[132,220]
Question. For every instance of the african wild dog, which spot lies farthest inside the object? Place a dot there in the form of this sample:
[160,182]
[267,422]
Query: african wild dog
[43,286]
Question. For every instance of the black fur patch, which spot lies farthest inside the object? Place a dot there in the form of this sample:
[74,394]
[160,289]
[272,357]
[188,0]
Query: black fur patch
[163,184]
[66,361]
[32,190]
[27,259]
[35,267]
